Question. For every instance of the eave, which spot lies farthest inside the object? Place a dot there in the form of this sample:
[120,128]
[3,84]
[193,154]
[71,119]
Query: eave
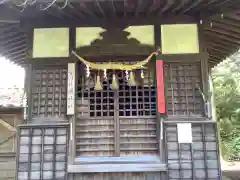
[219,19]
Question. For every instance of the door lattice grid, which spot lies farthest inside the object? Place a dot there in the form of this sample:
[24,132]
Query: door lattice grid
[199,160]
[182,96]
[42,153]
[49,92]
[139,100]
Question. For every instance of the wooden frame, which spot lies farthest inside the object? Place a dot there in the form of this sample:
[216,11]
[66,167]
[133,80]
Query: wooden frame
[128,164]
[30,128]
[111,164]
[181,19]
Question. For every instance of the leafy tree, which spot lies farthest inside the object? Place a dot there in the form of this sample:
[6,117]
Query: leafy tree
[226,78]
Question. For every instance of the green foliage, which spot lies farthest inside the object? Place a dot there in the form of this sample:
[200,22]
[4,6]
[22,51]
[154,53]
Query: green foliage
[226,78]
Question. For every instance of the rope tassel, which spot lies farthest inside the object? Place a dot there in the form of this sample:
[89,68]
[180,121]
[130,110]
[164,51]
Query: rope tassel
[98,85]
[131,80]
[114,82]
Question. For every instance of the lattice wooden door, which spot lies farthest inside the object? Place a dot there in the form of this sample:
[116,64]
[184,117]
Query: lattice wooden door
[117,122]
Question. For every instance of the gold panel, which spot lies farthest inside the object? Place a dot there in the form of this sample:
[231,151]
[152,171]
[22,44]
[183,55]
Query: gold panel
[86,35]
[179,38]
[51,42]
[144,34]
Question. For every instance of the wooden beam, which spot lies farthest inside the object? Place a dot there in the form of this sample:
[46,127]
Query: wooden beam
[224,9]
[12,40]
[16,57]
[6,27]
[12,21]
[8,126]
[220,56]
[211,39]
[223,37]
[78,13]
[7,15]
[58,1]
[234,36]
[167,5]
[173,7]
[157,6]
[230,19]
[124,8]
[60,11]
[16,45]
[216,57]
[24,50]
[224,27]
[189,6]
[8,35]
[219,46]
[225,21]
[114,9]
[100,8]
[213,50]
[137,9]
[54,22]
[87,10]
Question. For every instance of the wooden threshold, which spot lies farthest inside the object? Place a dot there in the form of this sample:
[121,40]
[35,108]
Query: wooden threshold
[91,168]
[117,164]
[151,159]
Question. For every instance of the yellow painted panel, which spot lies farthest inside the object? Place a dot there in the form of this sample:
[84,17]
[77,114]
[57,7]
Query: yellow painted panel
[179,38]
[51,42]
[86,35]
[144,34]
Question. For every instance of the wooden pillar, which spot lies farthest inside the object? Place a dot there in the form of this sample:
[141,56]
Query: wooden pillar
[211,88]
[28,78]
[204,71]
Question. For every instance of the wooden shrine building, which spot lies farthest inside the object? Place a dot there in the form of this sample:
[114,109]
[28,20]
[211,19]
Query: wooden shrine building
[118,89]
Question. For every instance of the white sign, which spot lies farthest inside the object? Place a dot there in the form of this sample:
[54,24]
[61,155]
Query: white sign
[71,89]
[184,132]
